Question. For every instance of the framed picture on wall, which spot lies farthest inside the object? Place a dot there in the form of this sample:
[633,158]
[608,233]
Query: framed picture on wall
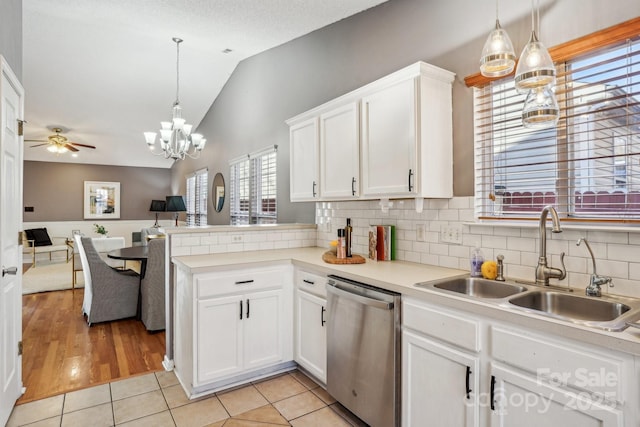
[101,200]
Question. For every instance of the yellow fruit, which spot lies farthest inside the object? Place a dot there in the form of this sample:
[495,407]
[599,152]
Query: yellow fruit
[489,270]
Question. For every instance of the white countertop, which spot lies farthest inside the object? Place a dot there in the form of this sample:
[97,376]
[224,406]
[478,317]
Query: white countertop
[401,276]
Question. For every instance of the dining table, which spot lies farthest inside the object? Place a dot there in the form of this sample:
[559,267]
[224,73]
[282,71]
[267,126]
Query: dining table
[132,253]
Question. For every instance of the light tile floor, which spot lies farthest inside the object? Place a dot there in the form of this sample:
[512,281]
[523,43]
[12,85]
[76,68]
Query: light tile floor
[157,400]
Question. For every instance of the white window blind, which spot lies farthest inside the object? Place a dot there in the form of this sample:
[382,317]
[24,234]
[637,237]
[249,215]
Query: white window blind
[253,196]
[197,198]
[588,166]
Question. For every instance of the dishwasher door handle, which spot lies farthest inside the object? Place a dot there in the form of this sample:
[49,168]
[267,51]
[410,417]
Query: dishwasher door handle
[361,299]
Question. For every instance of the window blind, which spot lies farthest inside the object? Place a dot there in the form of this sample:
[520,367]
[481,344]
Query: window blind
[253,188]
[197,198]
[588,166]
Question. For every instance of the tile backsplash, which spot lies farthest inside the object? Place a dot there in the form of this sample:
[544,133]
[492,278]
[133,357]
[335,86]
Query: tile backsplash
[617,252]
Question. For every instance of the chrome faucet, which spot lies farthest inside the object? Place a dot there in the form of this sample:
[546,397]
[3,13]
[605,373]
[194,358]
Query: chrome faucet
[593,290]
[543,271]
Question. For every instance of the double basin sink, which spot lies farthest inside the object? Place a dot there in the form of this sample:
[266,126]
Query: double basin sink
[607,312]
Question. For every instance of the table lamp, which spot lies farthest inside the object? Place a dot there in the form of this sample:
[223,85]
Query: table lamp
[157,206]
[176,204]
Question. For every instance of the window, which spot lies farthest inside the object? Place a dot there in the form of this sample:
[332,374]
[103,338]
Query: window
[197,198]
[588,167]
[252,186]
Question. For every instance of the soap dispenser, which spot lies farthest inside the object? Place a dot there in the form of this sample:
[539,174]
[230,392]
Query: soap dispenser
[476,261]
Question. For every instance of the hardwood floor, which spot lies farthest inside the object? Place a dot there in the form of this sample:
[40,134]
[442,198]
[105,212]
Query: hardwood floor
[62,353]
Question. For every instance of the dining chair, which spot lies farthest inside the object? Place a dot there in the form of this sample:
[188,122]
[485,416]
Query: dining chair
[109,293]
[152,289]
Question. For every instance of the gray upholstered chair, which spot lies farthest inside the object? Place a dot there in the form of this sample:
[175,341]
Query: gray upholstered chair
[109,293]
[152,288]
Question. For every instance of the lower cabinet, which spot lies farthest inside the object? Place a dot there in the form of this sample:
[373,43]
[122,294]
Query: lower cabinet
[311,334]
[440,384]
[238,333]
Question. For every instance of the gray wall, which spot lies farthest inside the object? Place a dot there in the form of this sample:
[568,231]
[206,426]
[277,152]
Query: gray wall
[271,87]
[55,190]
[11,34]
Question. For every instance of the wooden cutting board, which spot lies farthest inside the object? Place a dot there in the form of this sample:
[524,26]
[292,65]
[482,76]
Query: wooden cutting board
[331,258]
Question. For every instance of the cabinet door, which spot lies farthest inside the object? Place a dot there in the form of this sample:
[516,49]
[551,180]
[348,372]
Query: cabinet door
[389,141]
[340,153]
[263,326]
[523,401]
[303,140]
[219,338]
[311,334]
[439,384]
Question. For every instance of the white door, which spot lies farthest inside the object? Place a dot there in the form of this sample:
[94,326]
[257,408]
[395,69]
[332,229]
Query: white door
[340,153]
[311,339]
[439,384]
[11,109]
[263,328]
[219,338]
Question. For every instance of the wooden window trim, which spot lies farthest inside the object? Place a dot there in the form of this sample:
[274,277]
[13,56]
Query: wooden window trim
[577,47]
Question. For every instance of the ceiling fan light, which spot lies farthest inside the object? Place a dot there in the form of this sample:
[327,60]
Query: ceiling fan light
[52,149]
[540,109]
[498,57]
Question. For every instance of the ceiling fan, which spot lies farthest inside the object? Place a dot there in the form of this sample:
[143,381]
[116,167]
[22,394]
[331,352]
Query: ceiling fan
[58,144]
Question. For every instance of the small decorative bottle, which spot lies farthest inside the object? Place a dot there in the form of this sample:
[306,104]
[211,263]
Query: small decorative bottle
[340,252]
[476,262]
[347,238]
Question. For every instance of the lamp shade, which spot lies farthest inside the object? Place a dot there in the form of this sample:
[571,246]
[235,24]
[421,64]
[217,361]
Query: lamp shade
[158,206]
[175,204]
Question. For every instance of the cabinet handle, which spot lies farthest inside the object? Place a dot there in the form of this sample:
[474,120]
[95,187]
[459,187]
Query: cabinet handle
[244,282]
[493,389]
[248,308]
[467,389]
[322,321]
[313,189]
[240,309]
[410,180]
[310,282]
[353,186]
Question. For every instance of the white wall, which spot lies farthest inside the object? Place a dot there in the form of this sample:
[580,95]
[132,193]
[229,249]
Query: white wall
[617,252]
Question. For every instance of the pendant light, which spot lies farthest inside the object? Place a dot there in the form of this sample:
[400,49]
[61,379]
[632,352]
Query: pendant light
[498,57]
[535,67]
[540,109]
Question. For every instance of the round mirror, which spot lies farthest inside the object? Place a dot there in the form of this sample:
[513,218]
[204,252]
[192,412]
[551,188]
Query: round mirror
[218,192]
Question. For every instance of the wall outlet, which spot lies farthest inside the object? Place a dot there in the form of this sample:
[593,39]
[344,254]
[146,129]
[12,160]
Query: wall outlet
[236,238]
[451,234]
[421,231]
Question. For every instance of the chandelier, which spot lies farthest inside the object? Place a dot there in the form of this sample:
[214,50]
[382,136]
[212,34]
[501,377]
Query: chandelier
[176,140]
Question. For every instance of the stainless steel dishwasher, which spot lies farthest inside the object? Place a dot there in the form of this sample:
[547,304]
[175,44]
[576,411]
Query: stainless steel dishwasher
[363,350]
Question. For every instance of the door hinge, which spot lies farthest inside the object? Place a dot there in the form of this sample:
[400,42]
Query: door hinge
[19,348]
[21,127]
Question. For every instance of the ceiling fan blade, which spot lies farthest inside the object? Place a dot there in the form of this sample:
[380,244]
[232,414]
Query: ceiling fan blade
[35,140]
[81,145]
[39,145]
[70,147]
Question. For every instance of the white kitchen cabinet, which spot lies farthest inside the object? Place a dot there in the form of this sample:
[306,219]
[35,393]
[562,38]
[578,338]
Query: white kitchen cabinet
[310,331]
[521,400]
[340,153]
[407,132]
[440,384]
[394,135]
[232,325]
[304,161]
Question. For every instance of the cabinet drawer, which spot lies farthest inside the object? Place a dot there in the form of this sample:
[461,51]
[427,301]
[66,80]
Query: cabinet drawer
[559,362]
[215,284]
[311,282]
[447,326]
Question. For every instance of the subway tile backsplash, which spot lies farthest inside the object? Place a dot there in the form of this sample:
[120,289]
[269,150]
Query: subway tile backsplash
[617,252]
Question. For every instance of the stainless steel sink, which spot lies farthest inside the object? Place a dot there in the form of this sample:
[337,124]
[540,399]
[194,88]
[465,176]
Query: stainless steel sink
[608,313]
[476,287]
[571,306]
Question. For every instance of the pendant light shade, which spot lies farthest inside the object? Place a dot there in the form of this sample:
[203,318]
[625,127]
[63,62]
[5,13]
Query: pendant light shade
[498,57]
[540,109]
[535,67]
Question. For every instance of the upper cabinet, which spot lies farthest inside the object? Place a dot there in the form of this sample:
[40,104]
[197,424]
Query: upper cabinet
[304,180]
[390,138]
